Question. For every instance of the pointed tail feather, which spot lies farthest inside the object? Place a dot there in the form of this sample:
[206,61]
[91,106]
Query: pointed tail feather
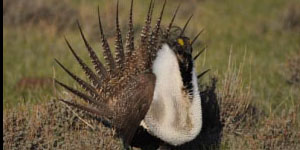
[118,43]
[203,73]
[106,50]
[172,21]
[91,75]
[86,98]
[147,26]
[153,48]
[199,53]
[186,24]
[106,115]
[130,35]
[144,52]
[157,26]
[100,69]
[196,37]
[92,91]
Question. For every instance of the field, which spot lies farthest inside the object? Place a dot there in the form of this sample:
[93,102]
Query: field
[253,53]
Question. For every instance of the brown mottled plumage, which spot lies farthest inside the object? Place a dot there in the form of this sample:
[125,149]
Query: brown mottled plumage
[121,91]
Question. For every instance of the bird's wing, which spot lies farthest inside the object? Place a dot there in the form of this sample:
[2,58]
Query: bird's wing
[134,104]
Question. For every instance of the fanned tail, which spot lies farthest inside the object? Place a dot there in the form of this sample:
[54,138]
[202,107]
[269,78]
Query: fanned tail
[107,94]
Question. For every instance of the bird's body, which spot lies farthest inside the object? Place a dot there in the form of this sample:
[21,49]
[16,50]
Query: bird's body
[154,81]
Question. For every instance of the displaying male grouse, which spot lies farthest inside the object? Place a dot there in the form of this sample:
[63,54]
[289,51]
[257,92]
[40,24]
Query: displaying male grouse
[152,84]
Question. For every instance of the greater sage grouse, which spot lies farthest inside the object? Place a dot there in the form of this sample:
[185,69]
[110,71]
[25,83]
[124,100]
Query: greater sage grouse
[151,84]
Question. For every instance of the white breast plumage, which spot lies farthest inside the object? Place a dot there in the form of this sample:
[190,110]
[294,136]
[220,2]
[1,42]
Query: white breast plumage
[173,116]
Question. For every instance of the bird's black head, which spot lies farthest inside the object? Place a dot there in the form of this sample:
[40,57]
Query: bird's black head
[182,48]
[180,44]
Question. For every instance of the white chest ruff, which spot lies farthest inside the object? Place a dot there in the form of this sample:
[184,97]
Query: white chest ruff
[173,116]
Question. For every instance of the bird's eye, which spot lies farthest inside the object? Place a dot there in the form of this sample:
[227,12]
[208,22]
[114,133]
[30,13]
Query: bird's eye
[180,42]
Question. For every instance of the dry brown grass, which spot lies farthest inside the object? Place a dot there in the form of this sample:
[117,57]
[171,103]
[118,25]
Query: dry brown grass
[246,126]
[235,101]
[54,126]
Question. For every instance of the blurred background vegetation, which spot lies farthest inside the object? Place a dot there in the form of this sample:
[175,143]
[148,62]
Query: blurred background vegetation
[253,49]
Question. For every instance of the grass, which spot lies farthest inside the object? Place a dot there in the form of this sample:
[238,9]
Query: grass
[52,125]
[260,34]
